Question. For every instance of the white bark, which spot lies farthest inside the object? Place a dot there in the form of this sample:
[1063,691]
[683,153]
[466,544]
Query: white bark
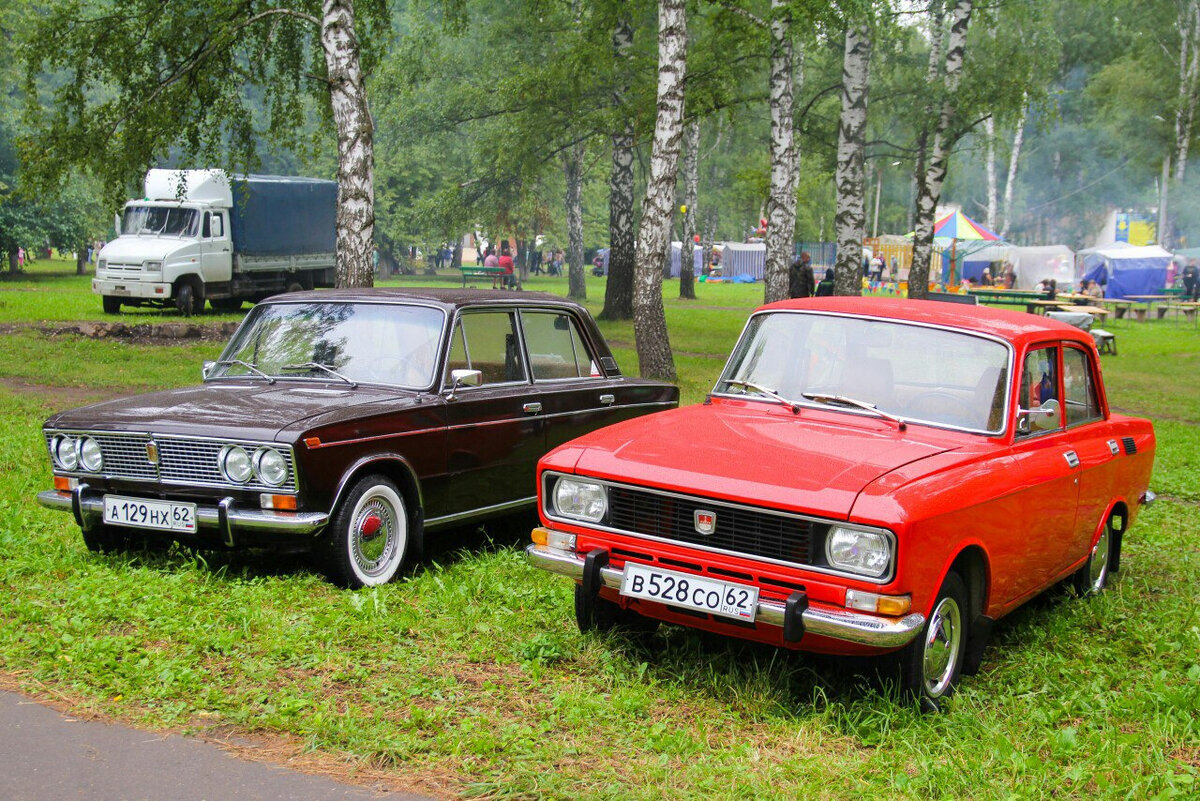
[851,214]
[691,191]
[649,318]
[356,146]
[573,173]
[618,293]
[989,126]
[1013,157]
[781,203]
[1189,82]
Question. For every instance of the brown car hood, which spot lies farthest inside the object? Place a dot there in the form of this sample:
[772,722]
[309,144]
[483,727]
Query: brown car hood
[249,410]
[816,462]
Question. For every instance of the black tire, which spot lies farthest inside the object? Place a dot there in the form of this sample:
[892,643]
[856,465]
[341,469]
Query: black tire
[187,300]
[111,305]
[593,613]
[369,537]
[931,664]
[106,539]
[1092,578]
[295,286]
[225,304]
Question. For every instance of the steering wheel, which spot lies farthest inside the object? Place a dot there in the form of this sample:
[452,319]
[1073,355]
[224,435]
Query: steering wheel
[937,405]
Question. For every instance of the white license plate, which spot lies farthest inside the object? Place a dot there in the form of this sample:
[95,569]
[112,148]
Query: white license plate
[160,515]
[722,598]
[120,290]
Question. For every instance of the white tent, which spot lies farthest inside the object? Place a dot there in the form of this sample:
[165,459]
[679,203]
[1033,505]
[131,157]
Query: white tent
[1031,264]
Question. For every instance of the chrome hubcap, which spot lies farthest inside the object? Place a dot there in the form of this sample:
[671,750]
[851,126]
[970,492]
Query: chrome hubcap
[373,534]
[1099,562]
[942,638]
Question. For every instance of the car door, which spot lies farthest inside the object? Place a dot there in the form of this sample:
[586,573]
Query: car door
[495,432]
[1093,443]
[216,252]
[575,395]
[1045,468]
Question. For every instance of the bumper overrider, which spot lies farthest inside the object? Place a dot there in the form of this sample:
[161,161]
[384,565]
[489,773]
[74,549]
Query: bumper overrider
[795,615]
[226,519]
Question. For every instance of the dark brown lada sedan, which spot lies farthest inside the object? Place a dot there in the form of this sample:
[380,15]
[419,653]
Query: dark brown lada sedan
[356,422]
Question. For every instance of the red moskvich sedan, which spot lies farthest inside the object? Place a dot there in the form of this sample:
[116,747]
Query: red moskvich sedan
[867,476]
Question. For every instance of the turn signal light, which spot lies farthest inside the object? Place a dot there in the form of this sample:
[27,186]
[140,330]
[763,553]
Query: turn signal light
[64,484]
[280,502]
[539,535]
[893,605]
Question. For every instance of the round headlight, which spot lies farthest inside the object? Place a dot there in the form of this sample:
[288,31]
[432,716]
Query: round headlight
[583,500]
[866,552]
[65,452]
[235,464]
[270,466]
[90,456]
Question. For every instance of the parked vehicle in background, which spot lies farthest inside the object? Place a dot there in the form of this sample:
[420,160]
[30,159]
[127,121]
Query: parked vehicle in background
[200,235]
[354,423]
[867,476]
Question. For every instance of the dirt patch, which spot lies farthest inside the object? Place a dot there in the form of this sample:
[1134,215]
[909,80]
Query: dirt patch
[145,334]
[62,397]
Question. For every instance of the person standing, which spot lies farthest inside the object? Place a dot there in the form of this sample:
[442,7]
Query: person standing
[825,288]
[505,262]
[801,282]
[1191,281]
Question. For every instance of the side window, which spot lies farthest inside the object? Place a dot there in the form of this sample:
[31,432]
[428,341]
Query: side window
[487,341]
[218,226]
[206,228]
[1039,383]
[556,349]
[1079,387]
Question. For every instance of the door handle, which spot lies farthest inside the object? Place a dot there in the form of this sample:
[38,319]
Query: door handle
[1072,459]
[532,408]
[608,399]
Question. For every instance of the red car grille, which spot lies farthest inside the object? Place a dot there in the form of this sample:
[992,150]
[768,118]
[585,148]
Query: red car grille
[738,529]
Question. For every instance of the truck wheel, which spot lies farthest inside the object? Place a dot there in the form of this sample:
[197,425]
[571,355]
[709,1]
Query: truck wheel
[111,305]
[368,539]
[930,665]
[295,286]
[188,299]
[225,304]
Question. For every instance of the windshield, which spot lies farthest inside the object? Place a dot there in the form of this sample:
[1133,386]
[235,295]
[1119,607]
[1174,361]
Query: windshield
[160,220]
[917,373]
[362,342]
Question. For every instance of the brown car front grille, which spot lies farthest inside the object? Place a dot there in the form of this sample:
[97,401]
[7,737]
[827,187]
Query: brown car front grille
[739,529]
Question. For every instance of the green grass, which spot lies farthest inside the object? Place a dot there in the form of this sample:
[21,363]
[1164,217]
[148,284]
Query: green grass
[469,676]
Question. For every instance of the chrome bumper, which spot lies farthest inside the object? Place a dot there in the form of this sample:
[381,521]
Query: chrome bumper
[88,508]
[878,632]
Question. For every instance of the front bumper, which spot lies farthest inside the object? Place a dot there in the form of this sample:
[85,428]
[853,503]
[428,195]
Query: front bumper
[226,519]
[130,288]
[839,624]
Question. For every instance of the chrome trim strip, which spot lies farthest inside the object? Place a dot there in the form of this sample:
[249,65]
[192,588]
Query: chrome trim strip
[92,509]
[856,627]
[485,510]
[550,515]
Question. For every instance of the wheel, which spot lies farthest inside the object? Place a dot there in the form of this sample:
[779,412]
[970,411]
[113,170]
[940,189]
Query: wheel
[931,663]
[1093,576]
[593,613]
[295,286]
[225,304]
[105,539]
[188,300]
[111,305]
[368,539]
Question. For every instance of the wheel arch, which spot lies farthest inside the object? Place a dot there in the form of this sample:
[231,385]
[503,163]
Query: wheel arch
[399,470]
[971,563]
[1118,509]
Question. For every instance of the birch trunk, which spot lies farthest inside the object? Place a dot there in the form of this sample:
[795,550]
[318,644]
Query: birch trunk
[930,184]
[989,126]
[1189,82]
[649,319]
[781,203]
[573,172]
[1013,157]
[356,146]
[618,293]
[851,217]
[691,190]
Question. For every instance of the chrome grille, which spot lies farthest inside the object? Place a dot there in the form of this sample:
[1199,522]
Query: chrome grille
[114,267]
[739,529]
[124,454]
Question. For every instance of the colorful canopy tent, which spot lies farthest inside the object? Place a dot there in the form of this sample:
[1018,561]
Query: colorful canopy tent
[957,225]
[1031,264]
[1126,269]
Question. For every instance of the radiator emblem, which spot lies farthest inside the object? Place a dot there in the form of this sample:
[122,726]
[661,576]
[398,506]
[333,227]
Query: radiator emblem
[151,453]
[706,522]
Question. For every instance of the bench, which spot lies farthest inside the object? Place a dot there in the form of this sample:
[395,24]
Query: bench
[480,271]
[1118,307]
[1106,341]
[1188,310]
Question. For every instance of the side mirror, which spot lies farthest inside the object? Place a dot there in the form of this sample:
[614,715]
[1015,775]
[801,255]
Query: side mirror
[464,378]
[206,368]
[1043,418]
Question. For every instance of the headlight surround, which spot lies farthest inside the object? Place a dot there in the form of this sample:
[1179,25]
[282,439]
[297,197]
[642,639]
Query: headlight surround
[66,454]
[236,464]
[867,553]
[580,500]
[270,466]
[90,457]
[152,266]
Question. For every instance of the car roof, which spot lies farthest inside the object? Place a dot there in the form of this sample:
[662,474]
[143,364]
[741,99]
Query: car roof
[447,298]
[1014,326]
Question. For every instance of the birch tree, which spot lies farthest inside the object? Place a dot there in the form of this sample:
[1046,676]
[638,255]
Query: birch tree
[172,85]
[573,173]
[691,191]
[1014,157]
[649,318]
[618,295]
[851,222]
[1189,82]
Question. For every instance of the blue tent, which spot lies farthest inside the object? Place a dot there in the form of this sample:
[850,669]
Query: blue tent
[1125,269]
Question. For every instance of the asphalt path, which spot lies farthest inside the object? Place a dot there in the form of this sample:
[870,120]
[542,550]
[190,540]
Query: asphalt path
[46,754]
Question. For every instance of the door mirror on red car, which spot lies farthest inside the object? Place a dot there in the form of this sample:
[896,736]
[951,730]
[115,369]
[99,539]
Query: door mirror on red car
[1043,418]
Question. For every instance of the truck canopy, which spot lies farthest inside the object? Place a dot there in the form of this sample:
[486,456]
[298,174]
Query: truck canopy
[282,216]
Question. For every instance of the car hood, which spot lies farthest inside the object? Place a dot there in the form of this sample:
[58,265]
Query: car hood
[814,462]
[248,410]
[127,249]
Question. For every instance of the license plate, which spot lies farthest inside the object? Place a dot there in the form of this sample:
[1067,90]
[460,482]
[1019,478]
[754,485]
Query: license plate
[722,598]
[160,515]
[120,290]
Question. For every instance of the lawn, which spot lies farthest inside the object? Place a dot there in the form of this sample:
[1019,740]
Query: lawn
[468,677]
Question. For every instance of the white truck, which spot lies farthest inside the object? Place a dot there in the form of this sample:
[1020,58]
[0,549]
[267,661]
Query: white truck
[198,234]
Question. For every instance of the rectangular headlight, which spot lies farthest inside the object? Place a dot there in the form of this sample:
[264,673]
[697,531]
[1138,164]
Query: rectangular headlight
[581,500]
[868,553]
[152,266]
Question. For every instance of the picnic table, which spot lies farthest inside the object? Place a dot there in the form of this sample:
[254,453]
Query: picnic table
[1005,296]
[1040,305]
[1149,300]
[480,271]
[1095,311]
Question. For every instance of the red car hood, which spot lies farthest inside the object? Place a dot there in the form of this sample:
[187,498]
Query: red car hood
[815,462]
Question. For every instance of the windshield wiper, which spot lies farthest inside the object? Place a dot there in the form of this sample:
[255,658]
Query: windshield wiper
[845,401]
[319,366]
[247,365]
[770,393]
